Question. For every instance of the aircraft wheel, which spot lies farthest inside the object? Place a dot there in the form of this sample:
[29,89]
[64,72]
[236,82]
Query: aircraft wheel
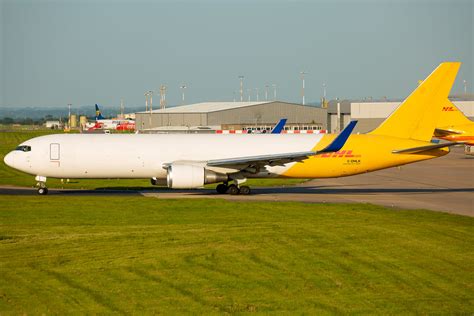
[221,188]
[233,190]
[43,191]
[244,190]
[153,181]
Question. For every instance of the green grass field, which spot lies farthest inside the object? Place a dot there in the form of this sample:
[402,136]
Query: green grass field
[96,255]
[9,140]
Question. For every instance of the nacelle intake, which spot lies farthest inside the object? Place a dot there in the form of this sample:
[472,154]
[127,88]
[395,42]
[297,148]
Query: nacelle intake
[183,176]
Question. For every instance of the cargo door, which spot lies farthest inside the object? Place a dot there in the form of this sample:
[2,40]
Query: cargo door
[55,154]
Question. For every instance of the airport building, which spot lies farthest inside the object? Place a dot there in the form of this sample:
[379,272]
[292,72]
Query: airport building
[233,116]
[370,114]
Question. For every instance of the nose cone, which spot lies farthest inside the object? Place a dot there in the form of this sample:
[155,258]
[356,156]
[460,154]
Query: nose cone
[9,160]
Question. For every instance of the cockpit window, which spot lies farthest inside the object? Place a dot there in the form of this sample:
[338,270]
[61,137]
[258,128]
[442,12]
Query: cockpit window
[24,148]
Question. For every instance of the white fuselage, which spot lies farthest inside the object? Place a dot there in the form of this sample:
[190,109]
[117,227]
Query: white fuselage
[144,155]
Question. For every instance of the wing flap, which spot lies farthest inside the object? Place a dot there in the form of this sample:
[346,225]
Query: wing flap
[266,159]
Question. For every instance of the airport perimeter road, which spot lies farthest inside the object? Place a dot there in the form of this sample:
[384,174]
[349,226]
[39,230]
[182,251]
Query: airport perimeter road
[444,184]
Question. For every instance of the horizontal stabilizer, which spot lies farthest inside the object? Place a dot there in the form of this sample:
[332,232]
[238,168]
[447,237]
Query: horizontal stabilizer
[416,150]
[441,132]
[340,140]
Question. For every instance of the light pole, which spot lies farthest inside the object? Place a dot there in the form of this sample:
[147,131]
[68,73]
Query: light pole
[146,101]
[162,96]
[150,93]
[183,87]
[151,107]
[266,92]
[241,88]
[256,90]
[249,92]
[302,89]
[465,87]
[274,92]
[69,115]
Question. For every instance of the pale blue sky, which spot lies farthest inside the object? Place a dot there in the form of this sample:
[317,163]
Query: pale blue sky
[86,52]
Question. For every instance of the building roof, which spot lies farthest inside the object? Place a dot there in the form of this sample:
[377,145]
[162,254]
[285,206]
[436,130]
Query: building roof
[206,107]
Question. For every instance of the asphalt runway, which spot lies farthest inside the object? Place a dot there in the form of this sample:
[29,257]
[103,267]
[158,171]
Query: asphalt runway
[445,184]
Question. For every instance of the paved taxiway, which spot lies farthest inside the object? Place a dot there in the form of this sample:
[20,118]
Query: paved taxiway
[444,184]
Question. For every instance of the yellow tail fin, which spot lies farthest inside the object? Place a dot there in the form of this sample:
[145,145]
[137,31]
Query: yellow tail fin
[451,116]
[417,117]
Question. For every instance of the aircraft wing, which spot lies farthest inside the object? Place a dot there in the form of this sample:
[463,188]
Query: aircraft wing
[256,162]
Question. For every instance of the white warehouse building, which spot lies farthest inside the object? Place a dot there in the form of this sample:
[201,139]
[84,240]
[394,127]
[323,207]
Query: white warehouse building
[233,116]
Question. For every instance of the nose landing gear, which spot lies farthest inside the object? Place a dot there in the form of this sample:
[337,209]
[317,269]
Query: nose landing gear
[42,189]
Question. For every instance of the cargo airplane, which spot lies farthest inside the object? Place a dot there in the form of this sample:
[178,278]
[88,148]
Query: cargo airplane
[193,160]
[117,124]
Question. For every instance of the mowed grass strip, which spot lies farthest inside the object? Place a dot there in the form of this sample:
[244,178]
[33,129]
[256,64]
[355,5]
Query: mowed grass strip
[144,255]
[9,140]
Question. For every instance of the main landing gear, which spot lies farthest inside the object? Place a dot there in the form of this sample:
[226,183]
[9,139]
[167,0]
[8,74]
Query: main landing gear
[232,189]
[41,184]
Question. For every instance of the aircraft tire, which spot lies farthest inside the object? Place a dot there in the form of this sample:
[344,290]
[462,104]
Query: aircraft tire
[233,190]
[222,188]
[43,191]
[244,190]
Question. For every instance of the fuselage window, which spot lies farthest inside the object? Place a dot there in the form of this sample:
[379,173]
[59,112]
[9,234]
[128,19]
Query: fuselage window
[24,148]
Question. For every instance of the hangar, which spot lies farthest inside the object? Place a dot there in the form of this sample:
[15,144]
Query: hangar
[234,116]
[370,114]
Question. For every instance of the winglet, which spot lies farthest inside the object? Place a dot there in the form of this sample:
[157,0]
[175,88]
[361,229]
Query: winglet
[279,127]
[340,140]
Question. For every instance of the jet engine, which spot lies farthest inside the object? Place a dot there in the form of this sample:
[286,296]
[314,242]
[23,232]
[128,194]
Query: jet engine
[182,176]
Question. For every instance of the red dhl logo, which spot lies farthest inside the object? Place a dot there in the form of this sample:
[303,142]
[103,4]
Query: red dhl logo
[448,109]
[339,154]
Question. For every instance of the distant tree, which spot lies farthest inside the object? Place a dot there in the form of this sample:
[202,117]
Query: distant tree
[7,120]
[27,121]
